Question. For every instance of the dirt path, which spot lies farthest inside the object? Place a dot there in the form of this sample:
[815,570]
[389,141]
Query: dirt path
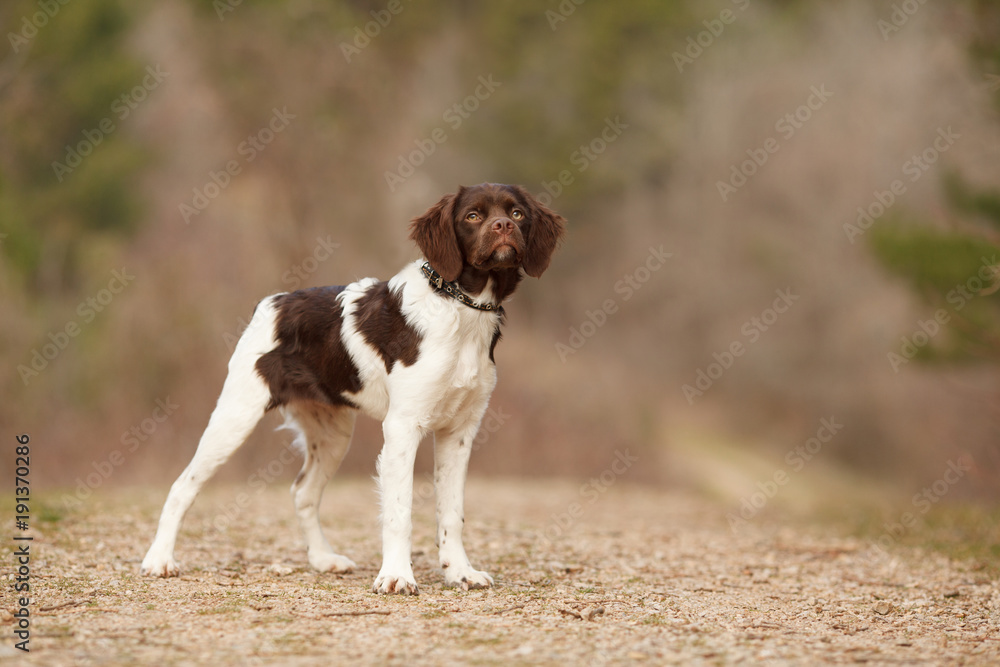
[638,575]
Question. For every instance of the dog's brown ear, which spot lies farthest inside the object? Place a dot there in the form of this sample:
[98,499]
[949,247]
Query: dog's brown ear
[434,234]
[547,227]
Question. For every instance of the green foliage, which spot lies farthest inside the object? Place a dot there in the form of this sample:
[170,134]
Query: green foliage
[955,273]
[64,81]
[983,204]
[968,533]
[934,261]
[985,40]
[961,531]
[48,512]
[946,267]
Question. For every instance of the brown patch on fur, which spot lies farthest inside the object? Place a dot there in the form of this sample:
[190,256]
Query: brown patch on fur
[380,320]
[310,361]
[496,338]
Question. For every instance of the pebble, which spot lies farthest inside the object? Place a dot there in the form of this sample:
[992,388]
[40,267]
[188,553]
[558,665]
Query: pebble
[882,607]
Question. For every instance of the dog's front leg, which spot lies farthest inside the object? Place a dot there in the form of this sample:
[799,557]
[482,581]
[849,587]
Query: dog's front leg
[451,462]
[395,483]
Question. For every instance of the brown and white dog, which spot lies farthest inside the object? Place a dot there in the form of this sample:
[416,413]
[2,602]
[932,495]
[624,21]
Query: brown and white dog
[415,352]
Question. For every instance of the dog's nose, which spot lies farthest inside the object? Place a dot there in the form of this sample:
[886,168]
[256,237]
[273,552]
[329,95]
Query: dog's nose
[503,226]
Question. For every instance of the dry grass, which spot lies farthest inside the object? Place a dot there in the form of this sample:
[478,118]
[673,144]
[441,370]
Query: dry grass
[675,584]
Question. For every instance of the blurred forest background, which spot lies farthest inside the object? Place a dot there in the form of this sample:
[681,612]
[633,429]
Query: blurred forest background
[164,165]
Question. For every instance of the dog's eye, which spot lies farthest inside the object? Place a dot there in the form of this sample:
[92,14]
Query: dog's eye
[472,216]
[516,214]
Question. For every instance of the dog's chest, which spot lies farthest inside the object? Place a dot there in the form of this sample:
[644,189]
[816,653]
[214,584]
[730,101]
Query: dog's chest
[447,379]
[454,365]
[468,380]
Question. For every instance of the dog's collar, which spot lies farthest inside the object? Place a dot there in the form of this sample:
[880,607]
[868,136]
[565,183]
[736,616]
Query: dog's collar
[453,290]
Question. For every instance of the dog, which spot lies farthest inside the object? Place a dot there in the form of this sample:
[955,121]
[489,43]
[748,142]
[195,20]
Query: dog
[415,352]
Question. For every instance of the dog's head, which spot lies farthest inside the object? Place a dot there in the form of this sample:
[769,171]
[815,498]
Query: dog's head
[488,227]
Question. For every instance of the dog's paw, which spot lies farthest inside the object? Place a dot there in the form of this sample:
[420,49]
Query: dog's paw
[156,566]
[327,561]
[389,584]
[466,579]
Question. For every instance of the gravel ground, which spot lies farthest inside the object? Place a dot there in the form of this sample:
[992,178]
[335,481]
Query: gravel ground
[625,575]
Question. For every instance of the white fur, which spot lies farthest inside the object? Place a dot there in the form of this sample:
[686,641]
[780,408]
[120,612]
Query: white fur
[241,405]
[445,393]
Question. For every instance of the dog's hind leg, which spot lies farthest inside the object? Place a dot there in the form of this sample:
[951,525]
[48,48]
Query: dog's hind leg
[243,401]
[324,435]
